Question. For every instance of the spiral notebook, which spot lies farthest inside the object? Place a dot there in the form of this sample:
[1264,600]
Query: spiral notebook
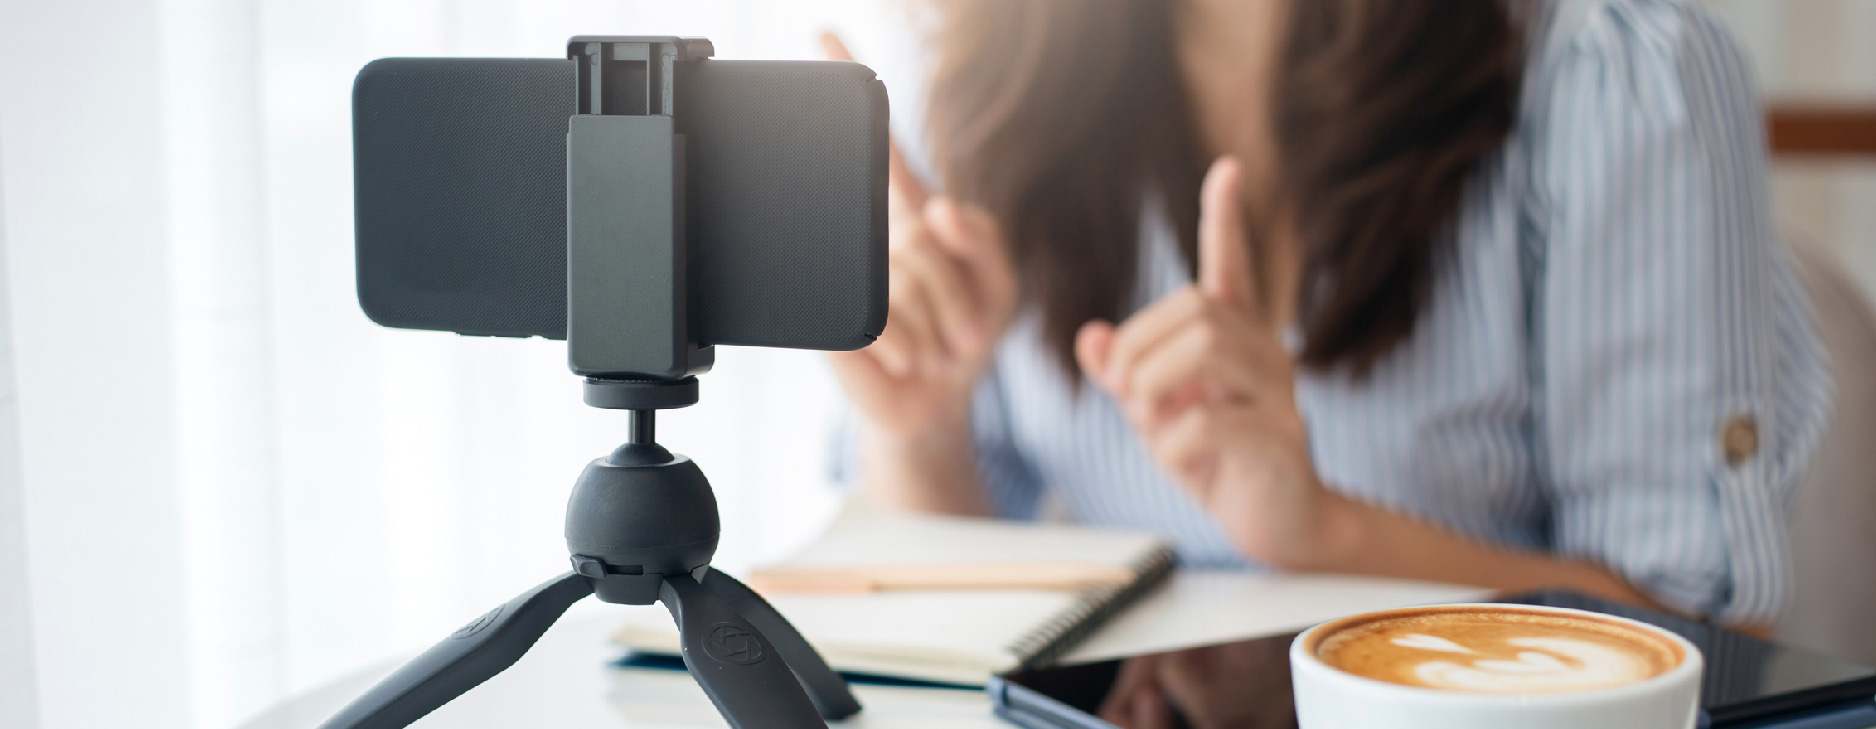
[945,599]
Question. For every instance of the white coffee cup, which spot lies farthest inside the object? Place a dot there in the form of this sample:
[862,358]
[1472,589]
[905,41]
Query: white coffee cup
[1331,698]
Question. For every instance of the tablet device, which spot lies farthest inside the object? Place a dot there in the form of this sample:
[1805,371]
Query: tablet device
[1749,683]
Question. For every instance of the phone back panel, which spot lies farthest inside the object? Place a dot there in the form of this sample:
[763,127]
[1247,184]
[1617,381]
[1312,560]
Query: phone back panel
[460,193]
[460,198]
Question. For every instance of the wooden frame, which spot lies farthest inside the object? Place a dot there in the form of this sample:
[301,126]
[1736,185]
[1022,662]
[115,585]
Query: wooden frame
[1822,130]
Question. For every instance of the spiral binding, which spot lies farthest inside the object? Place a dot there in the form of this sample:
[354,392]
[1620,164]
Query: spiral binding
[1050,640]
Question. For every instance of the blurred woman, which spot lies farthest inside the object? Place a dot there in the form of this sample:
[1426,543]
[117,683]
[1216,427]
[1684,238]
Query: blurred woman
[1478,291]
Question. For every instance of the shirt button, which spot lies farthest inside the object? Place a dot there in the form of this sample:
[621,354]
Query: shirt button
[1739,439]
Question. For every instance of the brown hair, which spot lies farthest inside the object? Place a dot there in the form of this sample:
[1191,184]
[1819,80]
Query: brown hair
[1067,118]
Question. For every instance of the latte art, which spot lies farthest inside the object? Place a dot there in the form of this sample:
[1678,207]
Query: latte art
[1485,650]
[1548,664]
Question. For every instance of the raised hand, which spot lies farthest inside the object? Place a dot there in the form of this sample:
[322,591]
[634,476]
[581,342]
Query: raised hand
[952,293]
[1204,378]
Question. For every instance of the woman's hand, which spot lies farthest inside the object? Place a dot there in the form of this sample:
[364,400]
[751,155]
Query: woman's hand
[1206,381]
[952,293]
[1203,376]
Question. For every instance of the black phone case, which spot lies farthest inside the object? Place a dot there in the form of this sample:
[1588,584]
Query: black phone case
[460,199]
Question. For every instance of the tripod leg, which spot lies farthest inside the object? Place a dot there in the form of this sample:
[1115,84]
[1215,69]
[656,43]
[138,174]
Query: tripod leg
[827,689]
[464,660]
[734,663]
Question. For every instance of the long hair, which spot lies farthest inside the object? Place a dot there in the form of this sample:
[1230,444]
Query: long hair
[1067,119]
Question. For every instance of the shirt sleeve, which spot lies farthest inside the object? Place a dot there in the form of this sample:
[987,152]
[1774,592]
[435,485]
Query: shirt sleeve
[1682,387]
[1014,490]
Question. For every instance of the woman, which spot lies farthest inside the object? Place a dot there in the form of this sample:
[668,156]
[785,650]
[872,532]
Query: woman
[1476,292]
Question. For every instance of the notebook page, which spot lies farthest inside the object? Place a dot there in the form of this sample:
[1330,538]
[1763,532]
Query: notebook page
[865,534]
[951,636]
[1199,607]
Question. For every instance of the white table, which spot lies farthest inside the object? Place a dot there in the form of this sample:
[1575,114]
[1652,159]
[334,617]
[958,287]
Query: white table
[566,681]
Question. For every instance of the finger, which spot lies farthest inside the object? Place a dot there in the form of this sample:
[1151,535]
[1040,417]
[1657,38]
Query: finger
[1207,353]
[1150,710]
[972,238]
[1143,331]
[896,349]
[834,48]
[1135,674]
[914,339]
[1185,685]
[1224,263]
[901,182]
[1167,380]
[1188,445]
[892,351]
[1093,344]
[926,340]
[865,372]
[973,234]
[955,311]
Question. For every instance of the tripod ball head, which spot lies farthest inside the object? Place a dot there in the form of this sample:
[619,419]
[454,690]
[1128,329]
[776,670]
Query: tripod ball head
[637,515]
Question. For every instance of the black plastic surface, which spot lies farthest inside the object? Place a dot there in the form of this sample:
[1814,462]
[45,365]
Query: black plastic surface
[459,193]
[788,226]
[645,510]
[464,660]
[639,394]
[639,80]
[460,197]
[735,664]
[626,288]
[641,526]
[829,692]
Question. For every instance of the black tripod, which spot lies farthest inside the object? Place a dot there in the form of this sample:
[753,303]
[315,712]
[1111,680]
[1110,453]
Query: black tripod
[642,527]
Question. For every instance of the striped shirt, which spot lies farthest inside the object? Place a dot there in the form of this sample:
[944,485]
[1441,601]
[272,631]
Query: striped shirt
[1615,310]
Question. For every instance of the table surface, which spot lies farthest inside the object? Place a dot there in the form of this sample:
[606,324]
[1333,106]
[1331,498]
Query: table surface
[567,679]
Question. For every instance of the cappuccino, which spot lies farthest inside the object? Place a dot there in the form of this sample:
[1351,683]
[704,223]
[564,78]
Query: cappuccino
[1487,649]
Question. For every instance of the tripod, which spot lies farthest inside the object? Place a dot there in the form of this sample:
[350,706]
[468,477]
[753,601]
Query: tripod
[642,527]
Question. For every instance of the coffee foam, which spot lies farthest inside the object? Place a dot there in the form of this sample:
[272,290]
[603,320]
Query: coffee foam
[1496,650]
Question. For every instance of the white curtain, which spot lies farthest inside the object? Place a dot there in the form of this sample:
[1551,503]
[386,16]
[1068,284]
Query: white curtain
[18,698]
[235,487]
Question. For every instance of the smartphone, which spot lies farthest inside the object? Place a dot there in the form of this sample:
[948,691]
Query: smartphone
[1748,682]
[460,198]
